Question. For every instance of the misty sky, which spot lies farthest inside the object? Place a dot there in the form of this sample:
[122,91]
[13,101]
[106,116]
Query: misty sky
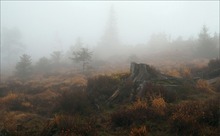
[55,25]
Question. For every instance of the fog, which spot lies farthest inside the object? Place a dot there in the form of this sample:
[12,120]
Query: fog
[44,27]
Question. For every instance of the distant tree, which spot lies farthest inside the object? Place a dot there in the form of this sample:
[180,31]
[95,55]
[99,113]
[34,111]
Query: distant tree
[43,65]
[216,42]
[23,67]
[83,55]
[110,39]
[207,48]
[75,47]
[56,57]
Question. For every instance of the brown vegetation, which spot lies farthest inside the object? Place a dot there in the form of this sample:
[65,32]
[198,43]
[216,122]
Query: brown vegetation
[69,105]
[142,131]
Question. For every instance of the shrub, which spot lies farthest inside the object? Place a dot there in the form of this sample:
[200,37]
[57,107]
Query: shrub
[102,87]
[135,114]
[211,112]
[214,63]
[74,101]
[125,92]
[184,119]
[66,125]
[170,95]
[122,118]
[141,131]
[195,117]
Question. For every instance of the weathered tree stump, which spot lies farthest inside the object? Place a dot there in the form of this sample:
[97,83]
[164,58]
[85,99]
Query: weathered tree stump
[143,75]
[139,75]
[142,72]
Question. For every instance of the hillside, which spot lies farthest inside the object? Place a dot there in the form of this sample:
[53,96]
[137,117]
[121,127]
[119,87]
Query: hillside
[142,102]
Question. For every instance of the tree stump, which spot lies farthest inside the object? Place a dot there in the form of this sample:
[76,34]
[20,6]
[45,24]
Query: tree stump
[142,72]
[143,75]
[139,75]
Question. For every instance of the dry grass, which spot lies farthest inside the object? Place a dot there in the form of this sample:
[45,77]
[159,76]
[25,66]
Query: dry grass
[141,131]
[79,80]
[159,105]
[196,117]
[174,73]
[186,72]
[14,101]
[139,104]
[21,124]
[184,119]
[202,85]
[7,99]
[100,88]
[134,114]
[67,125]
[73,101]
